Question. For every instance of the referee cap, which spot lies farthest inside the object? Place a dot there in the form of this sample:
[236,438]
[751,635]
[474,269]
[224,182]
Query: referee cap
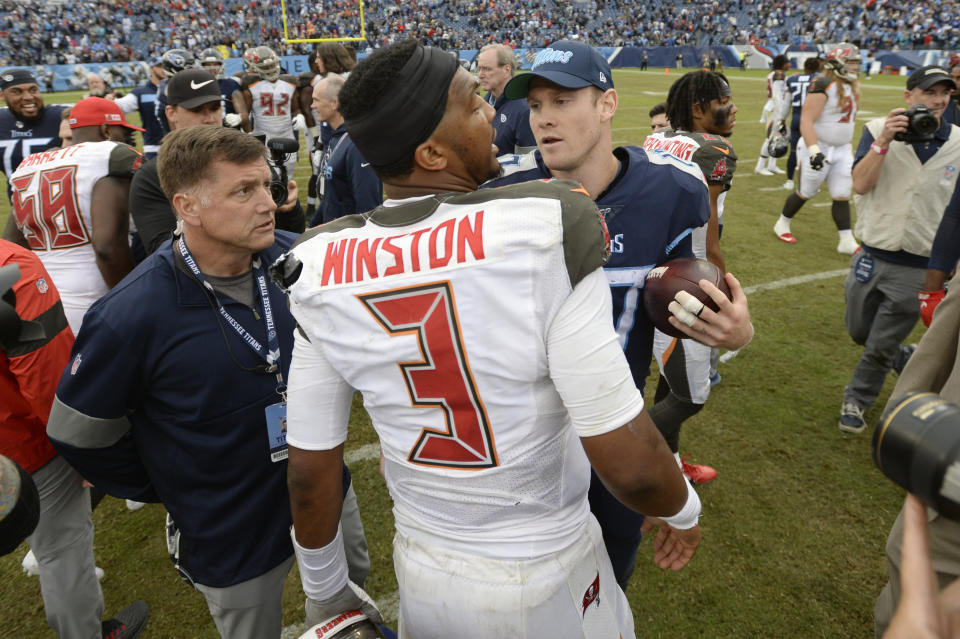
[568,63]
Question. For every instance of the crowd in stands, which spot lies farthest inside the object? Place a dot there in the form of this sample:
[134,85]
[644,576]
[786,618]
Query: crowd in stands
[70,31]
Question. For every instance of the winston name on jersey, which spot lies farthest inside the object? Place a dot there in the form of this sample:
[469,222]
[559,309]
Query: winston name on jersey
[651,209]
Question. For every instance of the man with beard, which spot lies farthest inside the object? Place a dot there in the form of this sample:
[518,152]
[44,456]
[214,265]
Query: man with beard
[26,125]
[824,151]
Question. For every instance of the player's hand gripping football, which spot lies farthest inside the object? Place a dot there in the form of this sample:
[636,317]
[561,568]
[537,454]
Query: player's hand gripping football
[673,548]
[351,597]
[729,328]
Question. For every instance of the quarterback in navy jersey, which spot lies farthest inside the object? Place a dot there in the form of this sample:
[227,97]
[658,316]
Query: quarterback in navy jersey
[651,208]
[652,204]
[26,125]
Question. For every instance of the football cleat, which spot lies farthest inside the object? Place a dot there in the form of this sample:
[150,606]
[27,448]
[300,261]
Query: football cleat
[763,171]
[847,245]
[697,473]
[128,623]
[788,185]
[211,60]
[776,170]
[782,230]
[844,60]
[176,60]
[264,62]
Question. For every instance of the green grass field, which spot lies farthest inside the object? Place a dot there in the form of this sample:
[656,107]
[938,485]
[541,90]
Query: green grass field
[795,524]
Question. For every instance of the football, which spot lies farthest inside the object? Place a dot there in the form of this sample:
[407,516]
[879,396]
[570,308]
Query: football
[681,274]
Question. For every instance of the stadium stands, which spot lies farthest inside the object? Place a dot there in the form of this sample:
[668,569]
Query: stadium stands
[70,31]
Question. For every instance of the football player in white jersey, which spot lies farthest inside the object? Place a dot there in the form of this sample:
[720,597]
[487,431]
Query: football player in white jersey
[824,152]
[71,206]
[776,85]
[271,96]
[781,64]
[491,401]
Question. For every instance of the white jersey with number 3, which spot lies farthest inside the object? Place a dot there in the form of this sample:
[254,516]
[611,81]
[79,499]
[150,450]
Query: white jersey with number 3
[52,194]
[457,317]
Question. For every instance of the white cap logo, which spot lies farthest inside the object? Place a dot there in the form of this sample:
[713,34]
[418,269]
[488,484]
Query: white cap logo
[603,78]
[8,78]
[503,117]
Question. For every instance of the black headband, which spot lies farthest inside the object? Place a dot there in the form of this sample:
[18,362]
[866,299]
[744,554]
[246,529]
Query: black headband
[13,77]
[410,112]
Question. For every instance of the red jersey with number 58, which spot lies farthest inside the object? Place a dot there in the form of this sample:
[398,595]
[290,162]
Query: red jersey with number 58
[836,122]
[52,194]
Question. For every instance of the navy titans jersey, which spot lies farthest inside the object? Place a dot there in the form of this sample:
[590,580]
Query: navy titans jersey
[651,208]
[798,84]
[19,139]
[228,86]
[146,105]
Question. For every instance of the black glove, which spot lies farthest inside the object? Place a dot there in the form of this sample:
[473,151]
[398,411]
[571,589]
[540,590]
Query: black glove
[816,161]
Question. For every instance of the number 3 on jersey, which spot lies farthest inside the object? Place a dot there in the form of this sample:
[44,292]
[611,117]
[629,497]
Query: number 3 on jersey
[442,379]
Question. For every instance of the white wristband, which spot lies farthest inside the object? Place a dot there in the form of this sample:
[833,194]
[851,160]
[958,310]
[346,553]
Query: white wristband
[689,514]
[814,149]
[323,571]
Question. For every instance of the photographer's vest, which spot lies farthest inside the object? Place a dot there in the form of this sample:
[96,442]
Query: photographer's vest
[904,208]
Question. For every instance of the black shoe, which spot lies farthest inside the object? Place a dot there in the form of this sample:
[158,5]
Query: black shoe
[128,623]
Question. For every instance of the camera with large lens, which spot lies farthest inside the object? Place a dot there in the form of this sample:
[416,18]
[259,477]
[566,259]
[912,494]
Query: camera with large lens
[922,124]
[279,148]
[917,445]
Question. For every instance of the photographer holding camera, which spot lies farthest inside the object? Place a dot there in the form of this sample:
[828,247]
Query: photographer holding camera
[193,99]
[904,175]
[904,445]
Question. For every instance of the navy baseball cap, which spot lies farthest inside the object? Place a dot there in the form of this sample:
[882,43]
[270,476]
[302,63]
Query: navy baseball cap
[570,64]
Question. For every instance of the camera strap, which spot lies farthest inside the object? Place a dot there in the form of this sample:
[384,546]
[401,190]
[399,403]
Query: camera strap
[271,352]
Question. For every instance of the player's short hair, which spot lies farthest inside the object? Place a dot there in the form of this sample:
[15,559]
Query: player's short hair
[780,62]
[65,114]
[364,90]
[812,65]
[504,55]
[697,87]
[658,109]
[187,155]
[335,58]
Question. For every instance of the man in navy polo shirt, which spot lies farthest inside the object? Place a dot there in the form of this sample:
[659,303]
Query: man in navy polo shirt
[495,66]
[176,388]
